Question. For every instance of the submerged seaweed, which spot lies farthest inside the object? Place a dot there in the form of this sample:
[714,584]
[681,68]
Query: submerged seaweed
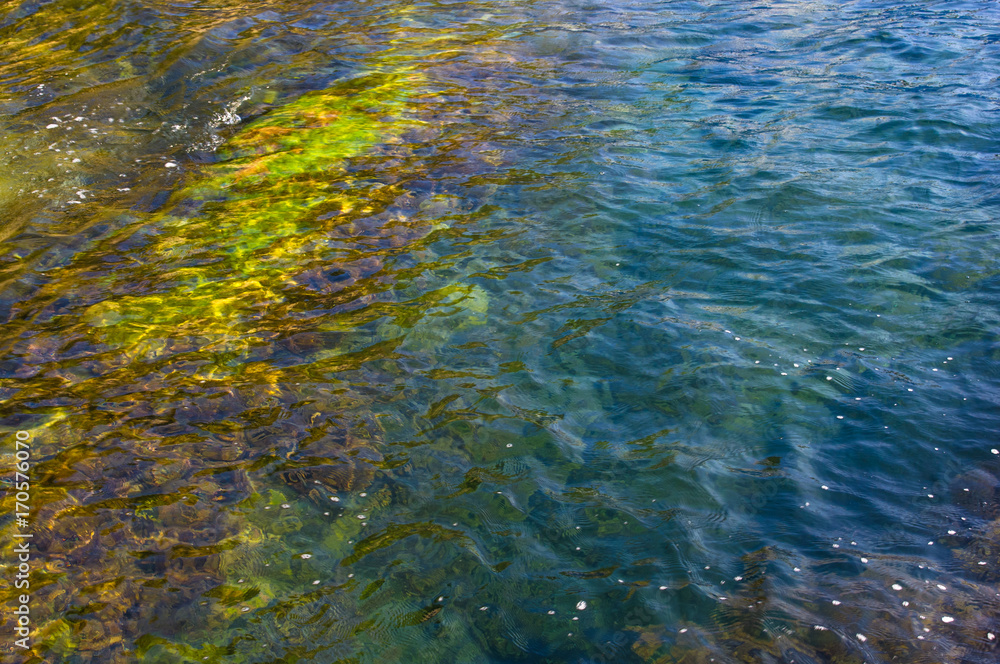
[169,492]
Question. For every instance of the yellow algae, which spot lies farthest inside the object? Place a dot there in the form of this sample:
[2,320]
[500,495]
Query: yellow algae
[208,272]
[179,315]
[257,211]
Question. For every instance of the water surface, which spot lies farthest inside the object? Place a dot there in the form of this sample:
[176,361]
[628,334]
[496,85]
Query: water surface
[503,332]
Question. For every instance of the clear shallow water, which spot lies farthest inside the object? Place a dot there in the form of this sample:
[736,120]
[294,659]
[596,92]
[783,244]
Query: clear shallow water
[682,311]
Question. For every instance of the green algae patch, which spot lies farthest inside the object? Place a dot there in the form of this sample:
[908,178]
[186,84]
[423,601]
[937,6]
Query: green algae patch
[318,131]
[239,233]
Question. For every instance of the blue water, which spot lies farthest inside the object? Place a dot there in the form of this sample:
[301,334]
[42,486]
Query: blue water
[681,336]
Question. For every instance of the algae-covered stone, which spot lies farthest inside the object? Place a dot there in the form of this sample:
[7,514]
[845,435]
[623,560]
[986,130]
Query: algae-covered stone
[104,314]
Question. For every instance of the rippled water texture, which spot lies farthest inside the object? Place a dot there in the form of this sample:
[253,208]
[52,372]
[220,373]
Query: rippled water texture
[502,331]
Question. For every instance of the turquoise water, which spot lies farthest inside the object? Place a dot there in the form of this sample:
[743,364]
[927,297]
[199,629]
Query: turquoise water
[631,332]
